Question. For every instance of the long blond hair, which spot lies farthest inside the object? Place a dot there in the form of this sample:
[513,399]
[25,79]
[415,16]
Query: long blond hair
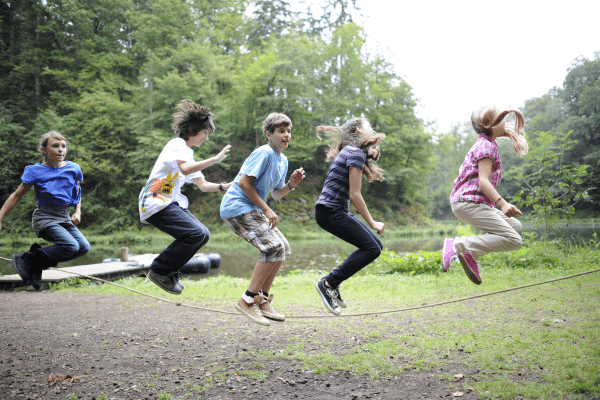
[347,135]
[489,120]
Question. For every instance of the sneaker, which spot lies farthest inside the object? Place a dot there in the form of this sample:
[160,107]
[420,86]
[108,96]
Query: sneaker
[470,266]
[250,307]
[338,298]
[329,296]
[267,309]
[178,276]
[36,270]
[448,254]
[167,282]
[22,266]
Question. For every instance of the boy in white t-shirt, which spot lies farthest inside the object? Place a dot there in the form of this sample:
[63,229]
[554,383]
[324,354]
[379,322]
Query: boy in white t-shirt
[161,203]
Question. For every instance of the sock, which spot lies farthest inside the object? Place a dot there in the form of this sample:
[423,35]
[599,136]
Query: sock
[265,295]
[250,294]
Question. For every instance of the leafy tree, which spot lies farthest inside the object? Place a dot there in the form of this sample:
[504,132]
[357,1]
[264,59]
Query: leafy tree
[550,188]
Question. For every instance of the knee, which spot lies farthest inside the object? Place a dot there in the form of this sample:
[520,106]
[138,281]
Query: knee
[374,249]
[515,242]
[200,236]
[70,248]
[84,247]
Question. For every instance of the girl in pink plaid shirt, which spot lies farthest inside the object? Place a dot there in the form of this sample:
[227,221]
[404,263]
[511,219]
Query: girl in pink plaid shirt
[474,196]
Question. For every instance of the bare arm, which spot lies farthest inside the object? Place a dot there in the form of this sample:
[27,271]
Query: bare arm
[485,174]
[358,201]
[188,167]
[295,179]
[76,217]
[209,186]
[248,188]
[13,200]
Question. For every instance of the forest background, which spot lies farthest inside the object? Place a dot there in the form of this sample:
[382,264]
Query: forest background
[109,73]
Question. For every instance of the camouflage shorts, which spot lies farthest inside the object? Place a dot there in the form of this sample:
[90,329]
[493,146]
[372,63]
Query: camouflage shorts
[253,227]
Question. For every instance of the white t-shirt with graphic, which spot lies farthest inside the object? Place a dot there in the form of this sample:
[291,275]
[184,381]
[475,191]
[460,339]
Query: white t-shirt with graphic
[166,179]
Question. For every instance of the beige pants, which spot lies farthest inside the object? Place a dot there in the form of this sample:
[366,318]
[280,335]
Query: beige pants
[501,232]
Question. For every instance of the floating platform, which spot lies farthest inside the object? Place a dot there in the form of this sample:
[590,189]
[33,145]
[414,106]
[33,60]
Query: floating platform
[137,265]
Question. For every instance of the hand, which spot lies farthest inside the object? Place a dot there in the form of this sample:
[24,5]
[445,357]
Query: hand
[273,219]
[378,227]
[223,154]
[509,210]
[297,177]
[76,218]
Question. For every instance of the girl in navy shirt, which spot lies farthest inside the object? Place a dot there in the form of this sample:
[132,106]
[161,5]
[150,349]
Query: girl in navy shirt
[353,156]
[57,189]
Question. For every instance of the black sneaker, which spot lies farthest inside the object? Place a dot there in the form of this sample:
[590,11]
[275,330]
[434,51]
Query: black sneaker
[329,296]
[22,266]
[178,276]
[167,282]
[338,298]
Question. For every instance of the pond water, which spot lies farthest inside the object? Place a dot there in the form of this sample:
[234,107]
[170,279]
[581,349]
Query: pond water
[238,258]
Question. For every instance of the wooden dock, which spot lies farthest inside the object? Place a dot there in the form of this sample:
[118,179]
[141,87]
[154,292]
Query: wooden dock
[135,266]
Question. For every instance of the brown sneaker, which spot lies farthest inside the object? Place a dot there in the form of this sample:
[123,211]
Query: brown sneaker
[250,308]
[268,310]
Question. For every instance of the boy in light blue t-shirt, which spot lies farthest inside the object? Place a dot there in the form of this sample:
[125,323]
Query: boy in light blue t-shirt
[245,211]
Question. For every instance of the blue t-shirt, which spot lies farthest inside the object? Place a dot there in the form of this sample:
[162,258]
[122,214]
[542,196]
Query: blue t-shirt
[268,167]
[55,186]
[336,190]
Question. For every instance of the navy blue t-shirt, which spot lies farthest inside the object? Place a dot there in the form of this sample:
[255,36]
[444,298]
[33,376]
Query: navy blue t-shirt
[336,190]
[55,186]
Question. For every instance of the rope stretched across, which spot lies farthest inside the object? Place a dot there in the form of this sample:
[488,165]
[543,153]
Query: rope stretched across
[336,316]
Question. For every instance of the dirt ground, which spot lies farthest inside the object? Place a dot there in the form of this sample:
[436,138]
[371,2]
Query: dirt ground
[58,345]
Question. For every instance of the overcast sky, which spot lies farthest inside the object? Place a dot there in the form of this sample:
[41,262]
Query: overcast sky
[460,54]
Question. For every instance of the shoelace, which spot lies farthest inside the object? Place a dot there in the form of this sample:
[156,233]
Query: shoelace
[333,294]
[257,309]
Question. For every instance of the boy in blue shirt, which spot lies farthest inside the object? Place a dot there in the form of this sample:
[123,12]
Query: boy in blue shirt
[245,211]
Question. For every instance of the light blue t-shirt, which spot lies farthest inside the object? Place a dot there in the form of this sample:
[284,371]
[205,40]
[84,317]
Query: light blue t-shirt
[55,186]
[268,167]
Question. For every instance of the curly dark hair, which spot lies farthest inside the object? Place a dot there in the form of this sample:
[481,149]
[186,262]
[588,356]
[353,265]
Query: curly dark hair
[347,135]
[191,118]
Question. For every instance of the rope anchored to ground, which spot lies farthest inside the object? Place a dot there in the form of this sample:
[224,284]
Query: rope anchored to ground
[396,310]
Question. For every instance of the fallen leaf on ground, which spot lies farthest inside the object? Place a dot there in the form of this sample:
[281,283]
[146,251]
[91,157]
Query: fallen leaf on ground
[459,376]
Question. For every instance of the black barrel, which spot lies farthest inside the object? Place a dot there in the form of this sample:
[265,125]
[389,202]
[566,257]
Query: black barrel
[197,264]
[215,260]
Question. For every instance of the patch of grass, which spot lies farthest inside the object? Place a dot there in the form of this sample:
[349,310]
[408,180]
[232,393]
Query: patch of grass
[550,334]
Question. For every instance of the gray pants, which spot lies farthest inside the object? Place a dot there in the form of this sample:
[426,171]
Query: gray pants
[501,232]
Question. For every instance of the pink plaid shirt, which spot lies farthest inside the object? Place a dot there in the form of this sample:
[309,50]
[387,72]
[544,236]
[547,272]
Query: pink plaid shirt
[466,185]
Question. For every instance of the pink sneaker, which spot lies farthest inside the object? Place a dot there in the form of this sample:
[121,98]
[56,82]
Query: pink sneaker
[447,254]
[470,266]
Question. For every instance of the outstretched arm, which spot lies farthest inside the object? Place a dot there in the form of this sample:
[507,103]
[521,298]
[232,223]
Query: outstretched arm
[210,186]
[13,200]
[188,167]
[359,202]
[485,185]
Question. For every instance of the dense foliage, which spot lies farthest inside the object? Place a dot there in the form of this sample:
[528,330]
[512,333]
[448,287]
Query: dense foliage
[108,73]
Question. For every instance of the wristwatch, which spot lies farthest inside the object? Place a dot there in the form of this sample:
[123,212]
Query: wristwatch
[221,186]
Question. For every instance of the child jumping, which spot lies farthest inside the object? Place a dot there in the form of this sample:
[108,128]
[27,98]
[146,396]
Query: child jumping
[57,189]
[474,195]
[245,211]
[353,156]
[161,203]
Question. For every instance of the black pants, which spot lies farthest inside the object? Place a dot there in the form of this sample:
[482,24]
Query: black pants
[347,227]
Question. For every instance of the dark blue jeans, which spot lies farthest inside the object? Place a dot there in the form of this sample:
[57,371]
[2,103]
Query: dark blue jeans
[347,227]
[189,233]
[69,243]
